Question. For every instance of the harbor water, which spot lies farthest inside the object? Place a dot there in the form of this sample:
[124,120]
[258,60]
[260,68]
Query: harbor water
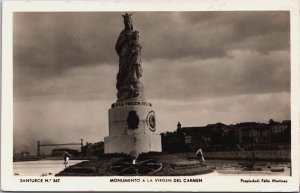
[41,167]
[244,168]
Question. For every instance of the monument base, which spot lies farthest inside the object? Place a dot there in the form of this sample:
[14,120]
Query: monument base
[132,127]
[129,144]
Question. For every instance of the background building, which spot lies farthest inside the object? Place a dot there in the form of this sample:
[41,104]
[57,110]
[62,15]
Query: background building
[220,137]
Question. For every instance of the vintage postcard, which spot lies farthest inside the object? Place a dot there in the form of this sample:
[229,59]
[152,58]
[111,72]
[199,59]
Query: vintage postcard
[150,96]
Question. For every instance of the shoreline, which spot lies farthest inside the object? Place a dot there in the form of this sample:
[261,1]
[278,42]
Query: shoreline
[262,155]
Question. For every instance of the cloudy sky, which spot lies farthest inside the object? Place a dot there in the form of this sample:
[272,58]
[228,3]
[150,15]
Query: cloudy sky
[199,68]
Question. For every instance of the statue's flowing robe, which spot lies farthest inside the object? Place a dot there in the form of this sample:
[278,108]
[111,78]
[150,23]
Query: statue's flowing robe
[135,60]
[123,50]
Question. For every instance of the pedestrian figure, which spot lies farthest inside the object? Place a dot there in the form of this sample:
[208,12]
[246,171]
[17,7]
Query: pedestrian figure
[200,156]
[66,158]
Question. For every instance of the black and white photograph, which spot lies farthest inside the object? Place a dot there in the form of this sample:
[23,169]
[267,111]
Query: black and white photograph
[131,95]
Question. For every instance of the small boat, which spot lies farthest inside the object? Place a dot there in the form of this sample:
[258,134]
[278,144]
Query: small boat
[277,169]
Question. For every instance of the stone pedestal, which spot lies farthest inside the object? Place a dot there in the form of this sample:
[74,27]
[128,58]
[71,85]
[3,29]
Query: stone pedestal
[132,127]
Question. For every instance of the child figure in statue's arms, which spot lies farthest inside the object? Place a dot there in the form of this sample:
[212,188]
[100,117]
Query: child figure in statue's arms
[135,56]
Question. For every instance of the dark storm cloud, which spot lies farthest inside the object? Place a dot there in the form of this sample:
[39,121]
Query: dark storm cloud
[213,34]
[52,49]
[49,43]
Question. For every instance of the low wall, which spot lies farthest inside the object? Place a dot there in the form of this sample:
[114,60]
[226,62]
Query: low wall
[271,155]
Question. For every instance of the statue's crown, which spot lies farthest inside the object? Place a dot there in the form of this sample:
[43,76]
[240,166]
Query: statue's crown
[127,16]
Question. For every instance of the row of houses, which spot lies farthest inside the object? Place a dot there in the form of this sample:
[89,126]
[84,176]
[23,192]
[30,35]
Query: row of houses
[220,137]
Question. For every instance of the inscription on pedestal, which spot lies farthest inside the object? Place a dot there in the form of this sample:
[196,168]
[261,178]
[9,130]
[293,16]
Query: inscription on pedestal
[129,103]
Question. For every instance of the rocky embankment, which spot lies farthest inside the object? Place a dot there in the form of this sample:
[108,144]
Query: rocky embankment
[268,155]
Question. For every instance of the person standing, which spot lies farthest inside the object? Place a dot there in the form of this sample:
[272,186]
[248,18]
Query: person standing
[66,158]
[200,156]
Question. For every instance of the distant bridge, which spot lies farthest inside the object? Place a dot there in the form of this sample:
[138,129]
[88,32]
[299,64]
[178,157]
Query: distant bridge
[39,145]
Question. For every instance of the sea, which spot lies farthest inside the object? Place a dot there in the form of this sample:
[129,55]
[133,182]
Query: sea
[41,167]
[258,168]
[221,167]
